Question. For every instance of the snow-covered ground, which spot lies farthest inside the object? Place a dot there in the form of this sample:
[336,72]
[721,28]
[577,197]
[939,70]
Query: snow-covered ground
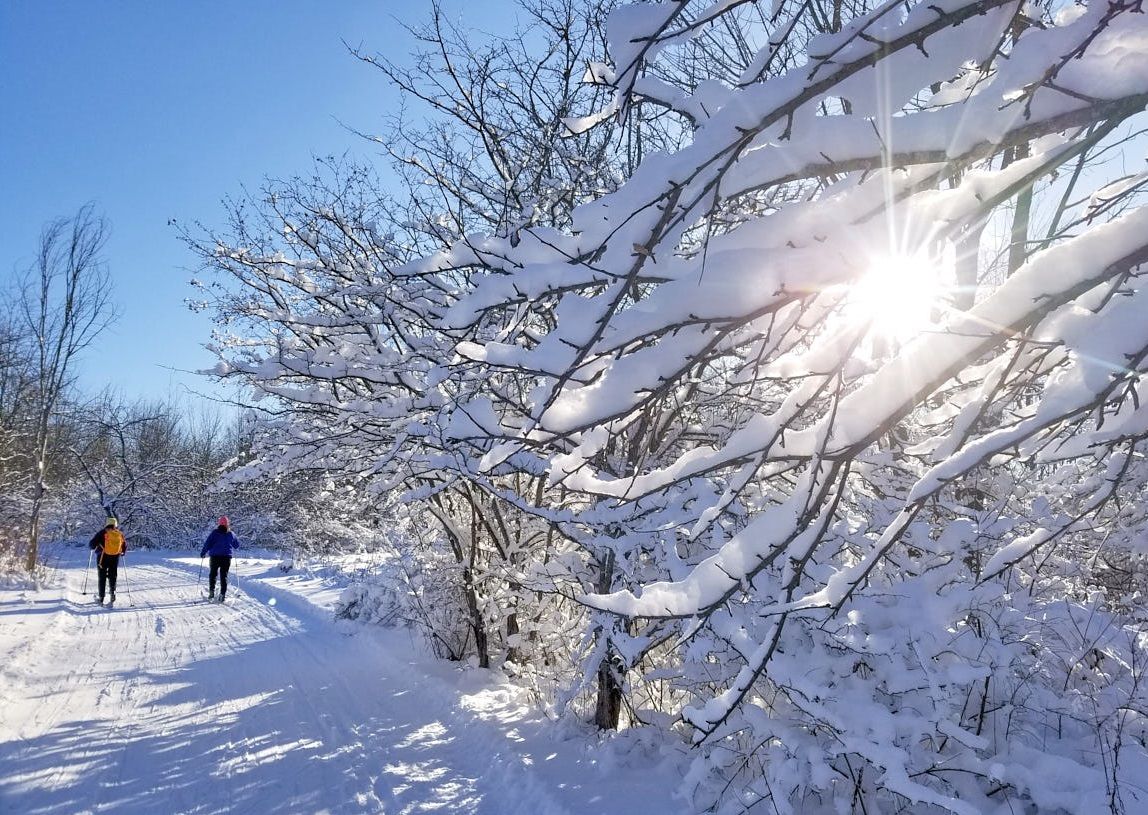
[166,704]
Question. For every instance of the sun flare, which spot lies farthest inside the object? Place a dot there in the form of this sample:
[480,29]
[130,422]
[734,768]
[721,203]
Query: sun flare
[900,295]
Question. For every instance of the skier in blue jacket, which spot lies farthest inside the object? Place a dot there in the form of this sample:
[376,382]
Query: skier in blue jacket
[220,544]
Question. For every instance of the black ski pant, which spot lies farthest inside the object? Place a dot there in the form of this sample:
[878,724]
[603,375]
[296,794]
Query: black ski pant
[220,564]
[106,569]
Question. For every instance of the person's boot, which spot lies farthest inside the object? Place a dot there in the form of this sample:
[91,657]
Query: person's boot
[222,596]
[113,600]
[99,599]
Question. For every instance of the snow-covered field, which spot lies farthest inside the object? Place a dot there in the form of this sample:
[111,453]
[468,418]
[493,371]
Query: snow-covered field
[166,704]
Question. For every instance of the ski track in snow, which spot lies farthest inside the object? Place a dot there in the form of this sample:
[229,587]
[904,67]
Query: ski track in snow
[168,705]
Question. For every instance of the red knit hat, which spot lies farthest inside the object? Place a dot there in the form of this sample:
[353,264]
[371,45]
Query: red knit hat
[223,521]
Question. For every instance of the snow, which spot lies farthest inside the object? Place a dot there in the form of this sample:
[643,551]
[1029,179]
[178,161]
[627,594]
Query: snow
[270,705]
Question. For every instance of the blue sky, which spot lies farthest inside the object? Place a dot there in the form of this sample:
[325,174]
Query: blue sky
[157,111]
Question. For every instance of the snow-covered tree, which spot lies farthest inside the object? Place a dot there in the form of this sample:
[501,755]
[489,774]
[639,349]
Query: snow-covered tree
[346,351]
[151,465]
[486,149]
[805,422]
[843,515]
[16,393]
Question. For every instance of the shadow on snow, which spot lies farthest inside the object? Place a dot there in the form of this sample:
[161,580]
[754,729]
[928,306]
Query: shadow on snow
[295,722]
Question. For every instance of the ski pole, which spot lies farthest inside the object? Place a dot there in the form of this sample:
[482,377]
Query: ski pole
[127,588]
[84,591]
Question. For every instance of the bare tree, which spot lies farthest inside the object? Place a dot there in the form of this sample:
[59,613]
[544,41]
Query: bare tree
[149,464]
[15,397]
[65,302]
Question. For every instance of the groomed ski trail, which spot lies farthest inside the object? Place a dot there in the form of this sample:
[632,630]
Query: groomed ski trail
[169,705]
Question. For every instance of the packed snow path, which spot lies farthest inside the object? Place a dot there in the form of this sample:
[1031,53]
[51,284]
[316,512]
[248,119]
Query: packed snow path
[167,704]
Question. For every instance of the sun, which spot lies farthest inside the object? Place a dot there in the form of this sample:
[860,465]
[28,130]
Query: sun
[900,295]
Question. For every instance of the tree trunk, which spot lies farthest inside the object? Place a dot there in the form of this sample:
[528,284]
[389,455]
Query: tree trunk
[608,709]
[966,266]
[454,536]
[512,630]
[1018,239]
[477,625]
[32,556]
[481,641]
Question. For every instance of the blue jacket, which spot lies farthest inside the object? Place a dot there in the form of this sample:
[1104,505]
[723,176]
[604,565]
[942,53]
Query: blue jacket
[221,541]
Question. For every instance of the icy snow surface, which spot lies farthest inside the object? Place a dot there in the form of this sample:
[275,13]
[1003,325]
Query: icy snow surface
[269,705]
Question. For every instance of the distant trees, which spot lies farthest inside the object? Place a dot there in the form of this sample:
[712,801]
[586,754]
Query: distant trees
[67,457]
[151,465]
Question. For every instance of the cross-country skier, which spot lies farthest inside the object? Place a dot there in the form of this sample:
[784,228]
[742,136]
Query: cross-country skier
[109,545]
[220,544]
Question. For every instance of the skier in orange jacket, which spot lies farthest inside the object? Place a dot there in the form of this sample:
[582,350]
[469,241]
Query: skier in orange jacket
[110,545]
